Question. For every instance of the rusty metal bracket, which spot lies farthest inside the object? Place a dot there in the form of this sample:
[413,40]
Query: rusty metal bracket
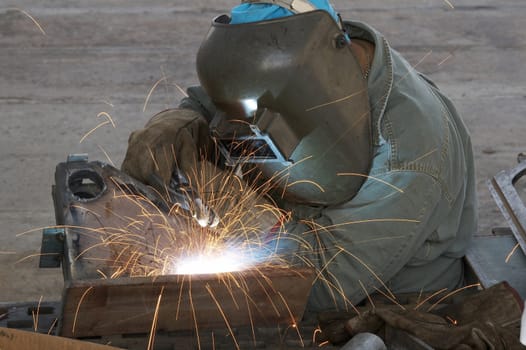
[83,194]
[502,188]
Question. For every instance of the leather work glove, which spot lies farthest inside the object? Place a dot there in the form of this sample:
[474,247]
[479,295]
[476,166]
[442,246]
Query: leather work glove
[172,138]
[487,319]
[179,138]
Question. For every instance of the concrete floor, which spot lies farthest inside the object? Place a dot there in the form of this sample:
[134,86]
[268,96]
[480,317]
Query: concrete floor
[105,56]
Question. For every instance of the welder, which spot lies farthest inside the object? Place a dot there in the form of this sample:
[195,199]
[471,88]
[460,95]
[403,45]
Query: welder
[371,160]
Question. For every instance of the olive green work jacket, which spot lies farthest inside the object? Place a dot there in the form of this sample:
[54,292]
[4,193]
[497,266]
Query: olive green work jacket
[411,222]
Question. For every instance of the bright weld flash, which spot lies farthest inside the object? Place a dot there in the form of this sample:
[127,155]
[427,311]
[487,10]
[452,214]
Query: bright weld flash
[250,105]
[211,263]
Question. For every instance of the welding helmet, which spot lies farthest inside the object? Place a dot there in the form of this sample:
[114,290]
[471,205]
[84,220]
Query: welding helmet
[291,99]
[257,10]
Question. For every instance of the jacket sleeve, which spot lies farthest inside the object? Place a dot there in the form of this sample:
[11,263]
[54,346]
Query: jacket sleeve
[358,246]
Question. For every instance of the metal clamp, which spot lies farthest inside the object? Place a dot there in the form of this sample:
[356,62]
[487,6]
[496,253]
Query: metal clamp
[52,249]
[502,188]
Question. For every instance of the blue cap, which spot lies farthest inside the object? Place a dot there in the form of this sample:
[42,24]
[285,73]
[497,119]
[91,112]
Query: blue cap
[246,13]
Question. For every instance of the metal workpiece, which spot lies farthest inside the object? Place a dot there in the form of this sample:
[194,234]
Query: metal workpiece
[119,241]
[93,202]
[507,187]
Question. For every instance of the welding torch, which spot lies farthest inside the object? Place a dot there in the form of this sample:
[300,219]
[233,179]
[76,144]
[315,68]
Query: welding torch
[180,193]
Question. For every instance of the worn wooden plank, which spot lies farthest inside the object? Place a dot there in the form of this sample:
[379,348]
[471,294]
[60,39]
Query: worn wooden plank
[23,340]
[266,297]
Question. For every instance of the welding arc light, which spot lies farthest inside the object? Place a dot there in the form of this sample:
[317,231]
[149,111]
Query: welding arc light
[250,106]
[212,263]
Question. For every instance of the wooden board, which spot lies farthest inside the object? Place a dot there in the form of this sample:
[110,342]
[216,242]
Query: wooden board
[267,297]
[22,340]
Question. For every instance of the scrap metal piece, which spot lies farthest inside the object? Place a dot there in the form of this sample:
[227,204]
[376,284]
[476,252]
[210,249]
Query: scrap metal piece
[493,259]
[502,188]
[37,316]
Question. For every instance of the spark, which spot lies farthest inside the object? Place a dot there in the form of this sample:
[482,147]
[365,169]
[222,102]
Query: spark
[106,155]
[293,323]
[409,72]
[108,120]
[391,299]
[452,320]
[31,18]
[151,92]
[100,272]
[209,289]
[510,254]
[366,221]
[155,319]
[417,306]
[423,58]
[193,313]
[316,331]
[370,270]
[52,326]
[308,182]
[181,90]
[35,314]
[444,60]
[78,308]
[252,328]
[475,285]
[373,178]
[152,155]
[336,101]
[367,294]
[93,130]
[449,4]
[108,103]
[326,265]
[31,256]
[108,116]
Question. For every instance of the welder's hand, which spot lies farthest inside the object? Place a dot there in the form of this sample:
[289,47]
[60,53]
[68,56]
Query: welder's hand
[172,138]
[485,319]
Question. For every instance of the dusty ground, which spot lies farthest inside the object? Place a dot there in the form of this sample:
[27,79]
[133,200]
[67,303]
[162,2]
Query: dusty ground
[105,56]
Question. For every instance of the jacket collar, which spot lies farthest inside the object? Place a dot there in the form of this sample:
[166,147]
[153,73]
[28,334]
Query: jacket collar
[380,80]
